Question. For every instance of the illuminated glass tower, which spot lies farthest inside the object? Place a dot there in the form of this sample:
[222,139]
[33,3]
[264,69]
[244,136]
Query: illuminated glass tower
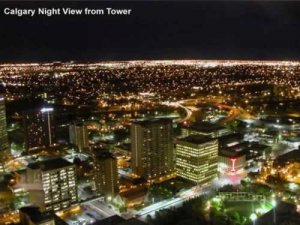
[39,129]
[152,149]
[197,158]
[3,126]
[4,146]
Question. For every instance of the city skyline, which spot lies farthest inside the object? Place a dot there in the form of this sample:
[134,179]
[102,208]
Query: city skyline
[144,138]
[150,113]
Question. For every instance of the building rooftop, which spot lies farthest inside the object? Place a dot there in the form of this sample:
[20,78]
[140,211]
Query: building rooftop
[117,220]
[197,139]
[103,155]
[126,147]
[204,127]
[134,193]
[231,137]
[242,148]
[228,153]
[112,220]
[292,156]
[50,164]
[152,121]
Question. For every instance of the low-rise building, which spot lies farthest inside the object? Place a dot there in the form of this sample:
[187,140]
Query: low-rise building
[229,161]
[31,215]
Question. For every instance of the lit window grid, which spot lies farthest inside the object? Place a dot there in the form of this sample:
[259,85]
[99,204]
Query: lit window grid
[59,188]
[198,163]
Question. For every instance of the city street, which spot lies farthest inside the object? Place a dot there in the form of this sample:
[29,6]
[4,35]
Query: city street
[100,207]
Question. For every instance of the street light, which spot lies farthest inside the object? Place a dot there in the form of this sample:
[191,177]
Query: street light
[253,217]
[274,203]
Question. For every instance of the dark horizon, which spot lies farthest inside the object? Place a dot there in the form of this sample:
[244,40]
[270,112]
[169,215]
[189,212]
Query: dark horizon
[155,31]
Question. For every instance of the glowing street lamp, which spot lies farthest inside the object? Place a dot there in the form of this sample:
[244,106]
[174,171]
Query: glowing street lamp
[274,203]
[253,217]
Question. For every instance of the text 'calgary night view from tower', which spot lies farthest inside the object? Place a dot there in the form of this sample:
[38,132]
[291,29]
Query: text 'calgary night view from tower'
[158,113]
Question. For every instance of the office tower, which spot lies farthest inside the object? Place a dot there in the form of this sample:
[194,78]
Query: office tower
[197,158]
[79,136]
[4,145]
[106,174]
[52,184]
[152,149]
[39,129]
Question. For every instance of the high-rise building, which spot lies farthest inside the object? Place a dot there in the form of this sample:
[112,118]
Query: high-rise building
[106,174]
[152,149]
[52,184]
[3,127]
[4,145]
[39,128]
[197,158]
[79,136]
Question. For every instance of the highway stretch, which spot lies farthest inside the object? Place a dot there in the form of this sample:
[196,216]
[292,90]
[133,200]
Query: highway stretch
[188,105]
[174,202]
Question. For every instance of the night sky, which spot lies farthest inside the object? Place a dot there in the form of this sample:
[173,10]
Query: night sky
[155,30]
